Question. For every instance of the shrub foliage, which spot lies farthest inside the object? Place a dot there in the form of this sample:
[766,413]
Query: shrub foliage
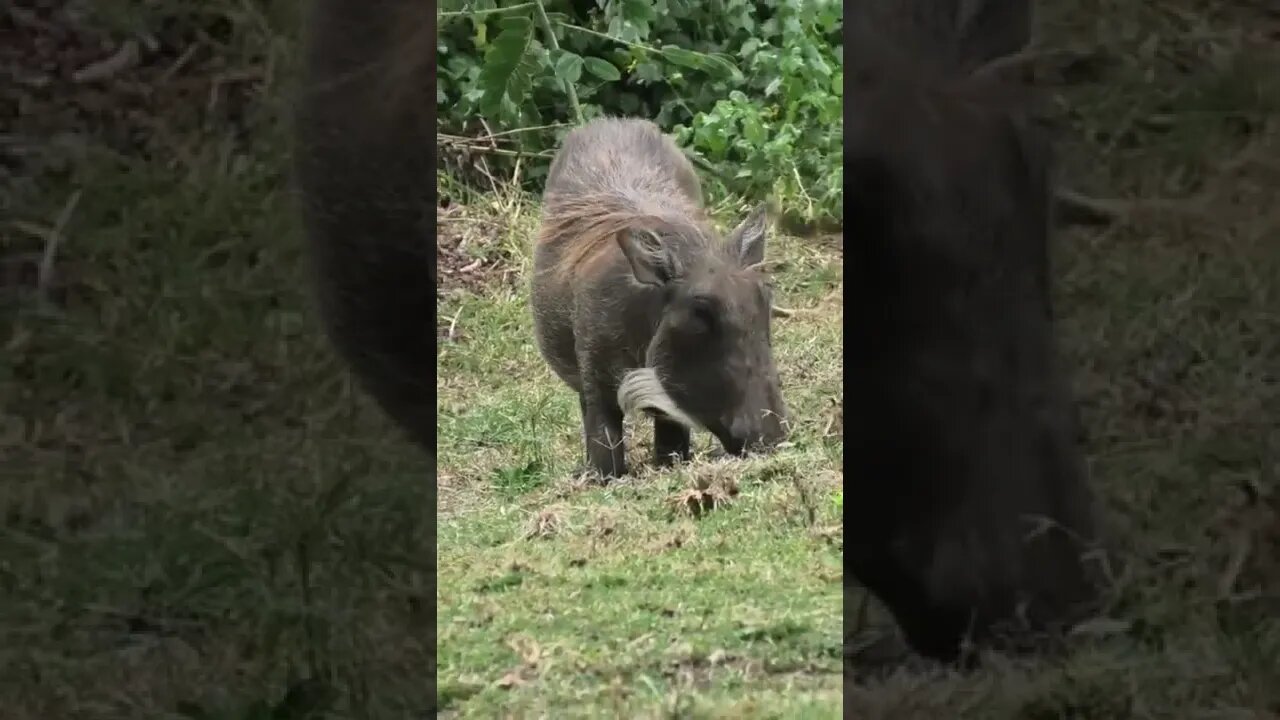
[752,89]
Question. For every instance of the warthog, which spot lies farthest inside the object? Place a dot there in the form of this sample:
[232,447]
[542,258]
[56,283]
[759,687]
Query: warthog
[639,303]
[365,166]
[967,494]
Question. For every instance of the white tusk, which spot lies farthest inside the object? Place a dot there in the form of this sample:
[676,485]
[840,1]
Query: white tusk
[642,390]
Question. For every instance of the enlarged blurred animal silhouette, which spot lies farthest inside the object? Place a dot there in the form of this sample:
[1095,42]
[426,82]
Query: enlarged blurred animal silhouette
[365,167]
[968,505]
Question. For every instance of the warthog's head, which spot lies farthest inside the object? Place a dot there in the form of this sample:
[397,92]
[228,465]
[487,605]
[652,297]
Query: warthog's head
[710,363]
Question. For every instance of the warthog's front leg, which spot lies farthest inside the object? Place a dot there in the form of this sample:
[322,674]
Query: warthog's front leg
[602,432]
[671,442]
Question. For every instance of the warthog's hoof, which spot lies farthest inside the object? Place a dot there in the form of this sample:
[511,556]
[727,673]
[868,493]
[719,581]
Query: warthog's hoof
[877,652]
[586,474]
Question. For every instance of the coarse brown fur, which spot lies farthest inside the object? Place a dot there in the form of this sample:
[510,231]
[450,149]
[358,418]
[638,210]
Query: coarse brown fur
[630,274]
[968,502]
[365,169]
[585,225]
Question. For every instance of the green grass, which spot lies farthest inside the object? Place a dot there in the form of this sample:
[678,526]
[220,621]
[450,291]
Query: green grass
[199,512]
[559,598]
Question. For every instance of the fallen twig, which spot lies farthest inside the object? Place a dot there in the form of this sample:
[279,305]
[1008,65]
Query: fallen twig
[779,311]
[52,239]
[1240,549]
[119,61]
[1072,208]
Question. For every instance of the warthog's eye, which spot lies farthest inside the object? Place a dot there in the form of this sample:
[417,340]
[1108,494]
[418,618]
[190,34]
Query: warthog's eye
[703,310]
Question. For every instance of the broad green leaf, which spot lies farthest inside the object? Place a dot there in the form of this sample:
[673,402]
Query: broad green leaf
[722,64]
[686,58]
[602,69]
[638,11]
[569,67]
[649,72]
[514,22]
[508,66]
[754,131]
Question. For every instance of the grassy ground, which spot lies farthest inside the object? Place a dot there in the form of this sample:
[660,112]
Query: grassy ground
[712,589]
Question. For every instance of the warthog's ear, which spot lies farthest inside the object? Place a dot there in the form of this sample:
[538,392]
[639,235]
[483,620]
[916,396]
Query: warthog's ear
[651,261]
[747,241]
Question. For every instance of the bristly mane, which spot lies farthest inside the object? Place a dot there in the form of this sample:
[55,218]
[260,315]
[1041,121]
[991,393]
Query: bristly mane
[585,224]
[917,95]
[933,75]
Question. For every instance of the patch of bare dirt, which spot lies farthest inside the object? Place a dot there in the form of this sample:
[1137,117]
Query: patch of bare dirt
[66,77]
[466,256]
[470,259]
[70,85]
[707,492]
[462,259]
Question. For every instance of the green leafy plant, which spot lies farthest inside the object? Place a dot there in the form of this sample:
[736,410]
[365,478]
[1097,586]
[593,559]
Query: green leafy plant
[751,89]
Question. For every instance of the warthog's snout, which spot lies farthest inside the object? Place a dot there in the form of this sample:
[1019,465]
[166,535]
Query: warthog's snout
[753,432]
[773,429]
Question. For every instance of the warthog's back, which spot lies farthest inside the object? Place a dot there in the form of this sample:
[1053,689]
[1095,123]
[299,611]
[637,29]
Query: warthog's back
[626,156]
[958,33]
[610,175]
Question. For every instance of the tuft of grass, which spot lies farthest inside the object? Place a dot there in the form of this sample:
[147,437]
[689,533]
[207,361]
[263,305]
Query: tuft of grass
[700,589]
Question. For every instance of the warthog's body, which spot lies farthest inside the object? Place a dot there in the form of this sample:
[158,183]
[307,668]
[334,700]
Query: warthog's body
[962,437]
[962,34]
[365,163]
[629,274]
